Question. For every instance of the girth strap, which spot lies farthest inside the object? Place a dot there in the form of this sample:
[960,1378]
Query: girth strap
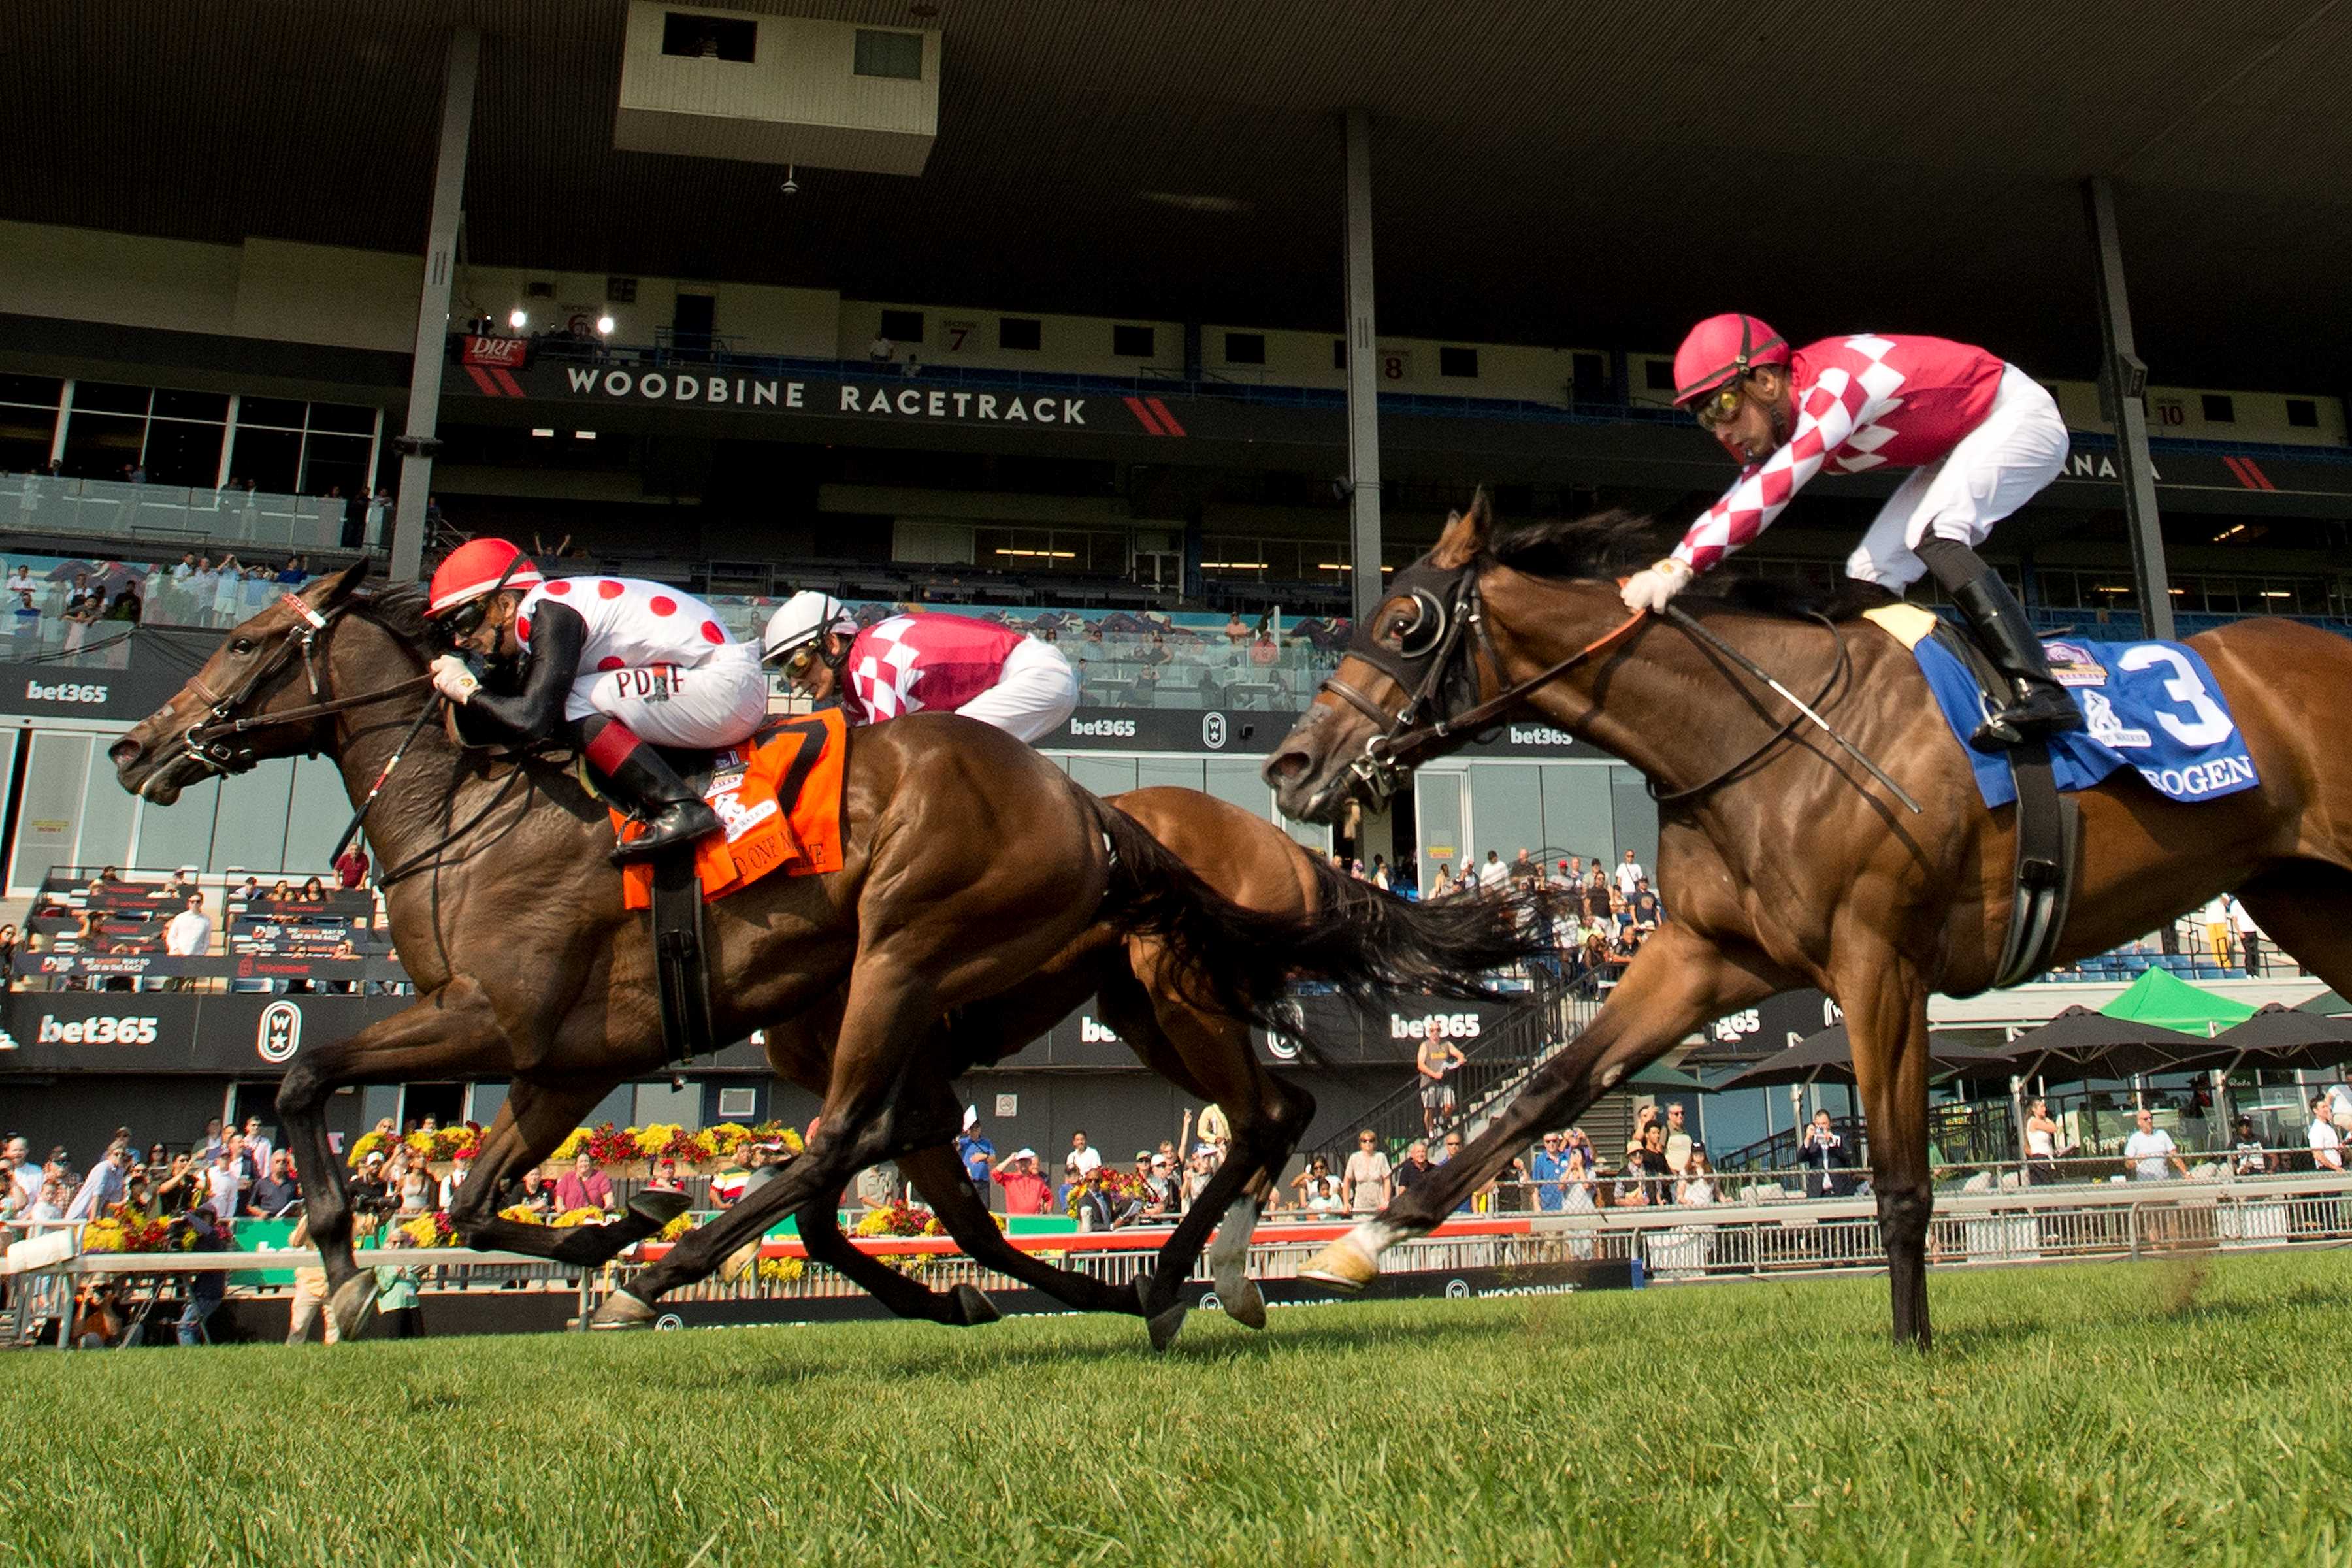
[682,969]
[2047,833]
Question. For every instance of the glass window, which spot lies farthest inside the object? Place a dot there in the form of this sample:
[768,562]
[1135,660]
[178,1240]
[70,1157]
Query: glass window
[1131,342]
[1658,374]
[181,452]
[1244,348]
[40,391]
[1457,361]
[278,413]
[25,435]
[272,459]
[109,398]
[341,416]
[2303,413]
[903,326]
[208,405]
[98,446]
[898,55]
[691,37]
[1019,332]
[2219,408]
[337,462]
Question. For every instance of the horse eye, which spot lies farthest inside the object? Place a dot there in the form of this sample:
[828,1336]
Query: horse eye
[242,645]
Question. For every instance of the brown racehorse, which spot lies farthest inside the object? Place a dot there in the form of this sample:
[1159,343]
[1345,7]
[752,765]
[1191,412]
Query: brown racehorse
[969,863]
[1781,862]
[1207,1053]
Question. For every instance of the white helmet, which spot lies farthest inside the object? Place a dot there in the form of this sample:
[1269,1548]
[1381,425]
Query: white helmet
[802,618]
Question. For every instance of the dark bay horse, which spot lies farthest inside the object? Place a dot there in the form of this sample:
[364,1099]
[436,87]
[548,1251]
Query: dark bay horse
[1783,863]
[969,863]
[1206,1052]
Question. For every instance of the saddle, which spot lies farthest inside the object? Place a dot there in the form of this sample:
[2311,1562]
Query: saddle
[779,795]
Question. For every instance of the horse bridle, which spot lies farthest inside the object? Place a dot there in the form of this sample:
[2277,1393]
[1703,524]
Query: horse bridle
[208,741]
[1428,664]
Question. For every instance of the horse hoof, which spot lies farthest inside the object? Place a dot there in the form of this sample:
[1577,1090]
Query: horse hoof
[1245,1305]
[659,1208]
[622,1310]
[975,1306]
[1341,1266]
[1166,1326]
[739,1262]
[352,1305]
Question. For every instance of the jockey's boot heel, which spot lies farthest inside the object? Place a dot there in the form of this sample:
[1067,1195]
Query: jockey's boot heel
[652,791]
[2038,705]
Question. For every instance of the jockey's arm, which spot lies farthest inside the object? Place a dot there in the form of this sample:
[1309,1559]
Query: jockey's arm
[529,717]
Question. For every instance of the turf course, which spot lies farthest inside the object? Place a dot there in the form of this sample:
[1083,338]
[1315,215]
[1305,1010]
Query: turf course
[2143,1413]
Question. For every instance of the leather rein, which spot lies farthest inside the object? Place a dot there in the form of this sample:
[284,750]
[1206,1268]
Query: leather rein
[208,741]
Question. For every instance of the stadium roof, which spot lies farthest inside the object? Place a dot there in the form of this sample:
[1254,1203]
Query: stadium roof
[1587,174]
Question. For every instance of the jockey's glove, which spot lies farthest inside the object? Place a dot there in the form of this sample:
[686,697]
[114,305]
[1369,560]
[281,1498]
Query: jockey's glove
[1650,588]
[453,680]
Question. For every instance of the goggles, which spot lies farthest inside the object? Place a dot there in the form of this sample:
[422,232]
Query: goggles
[465,620]
[801,660]
[1717,408]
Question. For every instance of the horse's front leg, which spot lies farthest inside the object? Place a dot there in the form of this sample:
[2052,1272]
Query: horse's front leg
[453,1032]
[534,1119]
[1678,981]
[1886,1004]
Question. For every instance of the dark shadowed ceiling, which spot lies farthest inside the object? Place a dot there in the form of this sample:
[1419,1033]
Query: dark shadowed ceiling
[1565,174]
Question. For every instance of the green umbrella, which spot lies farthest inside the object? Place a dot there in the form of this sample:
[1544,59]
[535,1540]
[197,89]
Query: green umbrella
[2161,997]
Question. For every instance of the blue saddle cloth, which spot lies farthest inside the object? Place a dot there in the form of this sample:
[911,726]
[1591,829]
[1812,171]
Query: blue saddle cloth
[2149,706]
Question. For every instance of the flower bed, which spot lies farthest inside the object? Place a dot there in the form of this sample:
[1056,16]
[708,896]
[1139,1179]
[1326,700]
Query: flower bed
[123,1228]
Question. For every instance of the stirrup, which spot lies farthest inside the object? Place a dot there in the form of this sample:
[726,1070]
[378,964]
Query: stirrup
[2044,712]
[678,822]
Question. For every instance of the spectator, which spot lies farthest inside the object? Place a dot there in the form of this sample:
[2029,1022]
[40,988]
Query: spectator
[2326,1143]
[1318,1188]
[1576,1191]
[536,1195]
[225,1184]
[1236,628]
[1697,1187]
[977,1153]
[310,1300]
[1494,874]
[281,891]
[249,891]
[276,1189]
[106,1185]
[1821,1152]
[1025,1192]
[1576,1142]
[2149,1150]
[2247,1155]
[1167,1194]
[1205,1160]
[1415,1168]
[258,1146]
[1633,1189]
[27,618]
[210,1233]
[350,867]
[1368,1182]
[584,1186]
[369,1191]
[1434,1059]
[880,1187]
[1644,1119]
[2040,1145]
[314,891]
[1678,1143]
[1547,1169]
[881,351]
[1079,1163]
[24,1175]
[189,935]
[444,1191]
[1630,876]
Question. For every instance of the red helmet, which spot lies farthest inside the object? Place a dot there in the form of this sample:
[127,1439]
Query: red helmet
[1722,347]
[478,567]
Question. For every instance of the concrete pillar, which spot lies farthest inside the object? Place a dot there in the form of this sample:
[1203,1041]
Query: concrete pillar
[1363,377]
[417,442]
[2122,379]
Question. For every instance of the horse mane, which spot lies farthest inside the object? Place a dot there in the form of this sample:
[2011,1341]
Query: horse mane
[1609,544]
[399,609]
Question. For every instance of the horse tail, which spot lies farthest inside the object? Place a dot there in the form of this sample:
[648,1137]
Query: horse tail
[1358,938]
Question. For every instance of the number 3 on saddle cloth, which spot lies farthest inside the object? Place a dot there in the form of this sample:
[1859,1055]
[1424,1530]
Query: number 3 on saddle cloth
[779,795]
[2152,707]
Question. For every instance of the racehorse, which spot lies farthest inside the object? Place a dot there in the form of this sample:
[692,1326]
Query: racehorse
[970,862]
[1782,862]
[1205,1052]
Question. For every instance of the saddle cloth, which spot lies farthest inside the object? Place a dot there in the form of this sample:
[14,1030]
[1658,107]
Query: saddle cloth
[2153,707]
[779,795]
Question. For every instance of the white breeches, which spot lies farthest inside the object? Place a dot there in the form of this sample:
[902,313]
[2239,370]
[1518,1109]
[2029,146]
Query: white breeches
[1996,468]
[711,705]
[1034,697]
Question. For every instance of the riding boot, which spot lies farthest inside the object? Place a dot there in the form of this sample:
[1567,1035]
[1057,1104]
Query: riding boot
[648,786]
[2038,706]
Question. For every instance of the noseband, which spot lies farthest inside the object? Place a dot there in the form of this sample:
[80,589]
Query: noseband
[213,742]
[1429,664]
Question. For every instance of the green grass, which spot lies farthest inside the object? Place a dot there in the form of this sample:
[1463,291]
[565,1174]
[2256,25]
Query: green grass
[2127,1414]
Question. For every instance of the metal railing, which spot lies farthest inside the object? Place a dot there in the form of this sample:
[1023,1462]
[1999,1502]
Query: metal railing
[167,514]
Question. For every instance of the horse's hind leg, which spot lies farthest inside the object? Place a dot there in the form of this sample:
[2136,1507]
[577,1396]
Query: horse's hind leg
[1885,1002]
[938,1177]
[2305,907]
[533,1121]
[820,1227]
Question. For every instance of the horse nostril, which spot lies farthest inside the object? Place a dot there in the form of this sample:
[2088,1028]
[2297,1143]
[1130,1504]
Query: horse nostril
[1285,766]
[125,752]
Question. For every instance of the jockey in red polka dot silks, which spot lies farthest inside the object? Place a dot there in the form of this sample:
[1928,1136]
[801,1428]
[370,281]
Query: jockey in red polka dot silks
[1980,436]
[922,662]
[613,663]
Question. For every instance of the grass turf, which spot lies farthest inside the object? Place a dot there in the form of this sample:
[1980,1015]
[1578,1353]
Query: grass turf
[2158,1413]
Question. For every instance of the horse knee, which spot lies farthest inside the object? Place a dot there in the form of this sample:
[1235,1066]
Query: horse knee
[1904,1214]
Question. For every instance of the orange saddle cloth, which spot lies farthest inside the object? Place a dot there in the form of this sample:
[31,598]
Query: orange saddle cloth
[780,797]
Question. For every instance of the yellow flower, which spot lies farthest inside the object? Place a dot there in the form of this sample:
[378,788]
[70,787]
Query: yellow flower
[588,1215]
[522,1214]
[677,1228]
[102,1235]
[783,1270]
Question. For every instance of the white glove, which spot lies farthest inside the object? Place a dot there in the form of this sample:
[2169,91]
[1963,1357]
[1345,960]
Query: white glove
[452,679]
[1650,588]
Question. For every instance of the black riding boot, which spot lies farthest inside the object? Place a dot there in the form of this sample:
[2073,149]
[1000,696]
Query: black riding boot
[2038,706]
[649,787]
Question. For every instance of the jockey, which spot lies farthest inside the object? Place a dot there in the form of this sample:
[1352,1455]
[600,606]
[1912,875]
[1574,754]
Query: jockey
[1982,438]
[922,660]
[615,663]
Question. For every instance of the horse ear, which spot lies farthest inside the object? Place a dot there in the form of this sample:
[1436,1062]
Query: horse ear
[339,586]
[1464,538]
